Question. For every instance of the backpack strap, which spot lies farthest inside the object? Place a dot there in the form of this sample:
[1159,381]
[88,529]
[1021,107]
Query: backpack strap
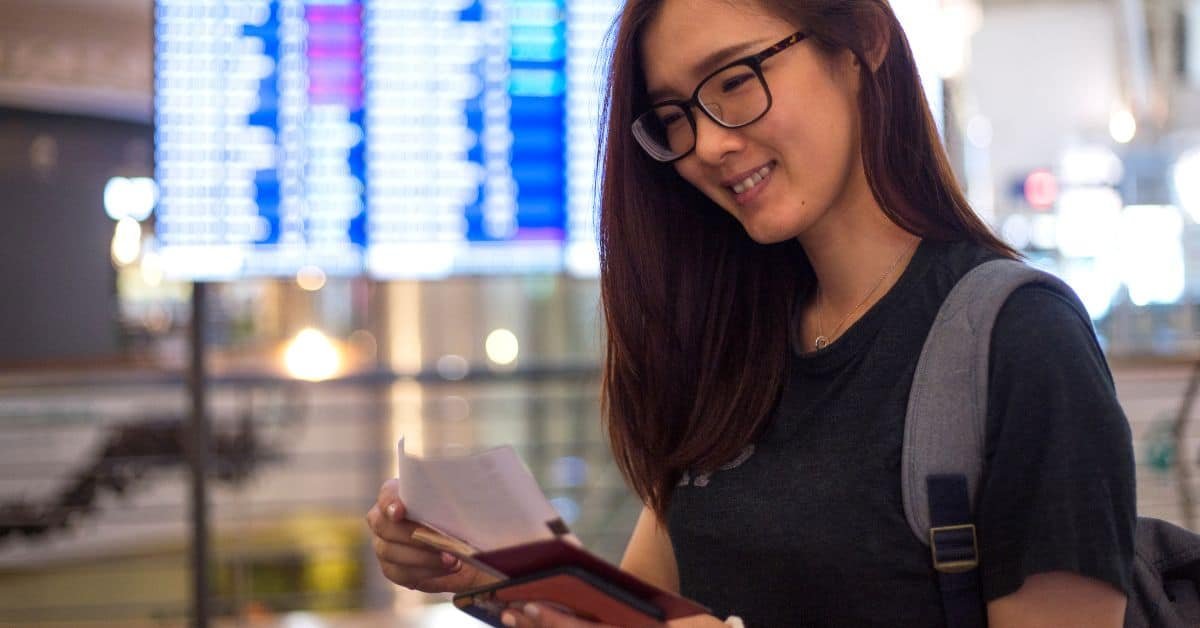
[943,453]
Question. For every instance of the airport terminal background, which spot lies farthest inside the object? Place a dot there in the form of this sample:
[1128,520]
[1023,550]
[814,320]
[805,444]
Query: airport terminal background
[390,206]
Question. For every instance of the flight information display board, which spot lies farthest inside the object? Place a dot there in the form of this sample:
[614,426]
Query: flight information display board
[401,138]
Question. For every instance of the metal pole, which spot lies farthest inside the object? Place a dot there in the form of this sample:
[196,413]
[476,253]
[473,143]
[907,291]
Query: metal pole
[1183,459]
[198,445]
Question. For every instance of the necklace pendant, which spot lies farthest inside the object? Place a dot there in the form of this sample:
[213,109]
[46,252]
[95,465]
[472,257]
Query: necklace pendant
[821,342]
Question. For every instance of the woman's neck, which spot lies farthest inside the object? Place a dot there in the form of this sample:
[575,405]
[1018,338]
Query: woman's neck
[857,257]
[851,252]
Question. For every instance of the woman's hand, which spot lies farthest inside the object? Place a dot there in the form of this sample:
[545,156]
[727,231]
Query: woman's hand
[409,563]
[532,615]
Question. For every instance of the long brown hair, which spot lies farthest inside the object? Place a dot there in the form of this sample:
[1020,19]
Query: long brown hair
[697,313]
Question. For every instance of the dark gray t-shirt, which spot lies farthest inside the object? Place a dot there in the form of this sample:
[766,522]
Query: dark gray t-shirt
[808,529]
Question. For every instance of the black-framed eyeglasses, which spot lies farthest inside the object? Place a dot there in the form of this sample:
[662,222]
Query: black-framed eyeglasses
[733,96]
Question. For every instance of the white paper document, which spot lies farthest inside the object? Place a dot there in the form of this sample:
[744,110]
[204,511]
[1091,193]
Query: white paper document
[490,500]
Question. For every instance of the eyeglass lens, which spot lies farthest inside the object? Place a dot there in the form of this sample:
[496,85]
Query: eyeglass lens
[733,97]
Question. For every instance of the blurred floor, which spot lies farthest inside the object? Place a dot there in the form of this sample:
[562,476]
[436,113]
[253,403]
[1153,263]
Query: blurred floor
[437,615]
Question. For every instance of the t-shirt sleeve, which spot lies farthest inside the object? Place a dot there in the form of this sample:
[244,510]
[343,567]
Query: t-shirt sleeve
[1057,493]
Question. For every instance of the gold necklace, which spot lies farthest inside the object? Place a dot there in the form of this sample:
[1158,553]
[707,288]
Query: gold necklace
[822,340]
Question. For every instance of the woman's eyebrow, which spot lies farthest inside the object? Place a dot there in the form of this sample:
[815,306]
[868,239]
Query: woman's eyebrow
[709,62]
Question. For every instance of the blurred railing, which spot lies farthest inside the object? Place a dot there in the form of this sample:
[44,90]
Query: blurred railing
[94,484]
[94,516]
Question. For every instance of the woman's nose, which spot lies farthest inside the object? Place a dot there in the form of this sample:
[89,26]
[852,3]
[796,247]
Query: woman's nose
[714,141]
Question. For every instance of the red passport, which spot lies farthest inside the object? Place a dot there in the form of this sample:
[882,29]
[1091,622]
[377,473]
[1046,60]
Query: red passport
[560,573]
[543,556]
[569,589]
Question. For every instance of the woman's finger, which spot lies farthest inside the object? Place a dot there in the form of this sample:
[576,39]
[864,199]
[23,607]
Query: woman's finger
[389,492]
[412,556]
[388,502]
[384,527]
[413,577]
[531,615]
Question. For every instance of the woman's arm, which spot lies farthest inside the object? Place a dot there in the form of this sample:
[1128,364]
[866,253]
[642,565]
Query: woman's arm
[649,554]
[1057,506]
[1059,599]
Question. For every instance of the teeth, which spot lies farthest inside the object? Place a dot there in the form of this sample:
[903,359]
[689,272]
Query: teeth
[752,180]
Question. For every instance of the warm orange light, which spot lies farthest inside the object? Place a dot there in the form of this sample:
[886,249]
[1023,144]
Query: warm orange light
[312,356]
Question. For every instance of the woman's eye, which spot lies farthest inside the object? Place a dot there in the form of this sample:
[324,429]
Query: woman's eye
[670,119]
[734,82]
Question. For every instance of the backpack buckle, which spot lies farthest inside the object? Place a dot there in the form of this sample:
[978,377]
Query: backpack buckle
[955,548]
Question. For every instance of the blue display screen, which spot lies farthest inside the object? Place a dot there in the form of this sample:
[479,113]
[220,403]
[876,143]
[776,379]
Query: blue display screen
[401,138]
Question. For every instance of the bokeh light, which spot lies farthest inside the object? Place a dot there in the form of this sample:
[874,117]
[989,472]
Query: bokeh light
[312,356]
[502,347]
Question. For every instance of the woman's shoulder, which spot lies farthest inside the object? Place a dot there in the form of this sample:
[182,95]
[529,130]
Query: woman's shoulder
[939,265]
[955,258]
[1036,319]
[1044,321]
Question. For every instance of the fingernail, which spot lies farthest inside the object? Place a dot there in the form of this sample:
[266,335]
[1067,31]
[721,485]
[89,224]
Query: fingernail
[391,511]
[449,560]
[508,619]
[532,611]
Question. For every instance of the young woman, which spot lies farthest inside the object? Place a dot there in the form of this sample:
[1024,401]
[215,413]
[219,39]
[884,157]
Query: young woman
[779,226]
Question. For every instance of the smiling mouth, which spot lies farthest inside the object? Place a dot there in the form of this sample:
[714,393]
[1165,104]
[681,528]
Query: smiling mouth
[751,181]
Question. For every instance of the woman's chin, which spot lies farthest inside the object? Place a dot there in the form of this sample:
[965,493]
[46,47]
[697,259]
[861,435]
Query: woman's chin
[767,234]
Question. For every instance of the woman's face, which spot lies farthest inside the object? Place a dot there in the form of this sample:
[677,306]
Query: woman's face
[806,148]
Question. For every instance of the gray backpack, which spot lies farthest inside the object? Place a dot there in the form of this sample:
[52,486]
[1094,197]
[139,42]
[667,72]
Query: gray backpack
[943,460]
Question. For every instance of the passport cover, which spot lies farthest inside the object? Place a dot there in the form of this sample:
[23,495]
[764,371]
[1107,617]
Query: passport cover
[542,556]
[583,594]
